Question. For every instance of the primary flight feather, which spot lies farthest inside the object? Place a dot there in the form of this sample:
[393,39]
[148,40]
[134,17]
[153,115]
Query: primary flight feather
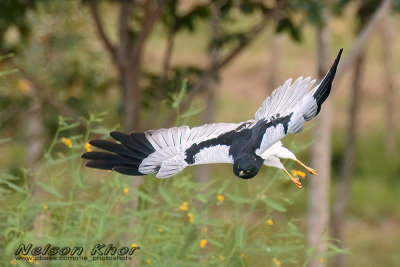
[246,145]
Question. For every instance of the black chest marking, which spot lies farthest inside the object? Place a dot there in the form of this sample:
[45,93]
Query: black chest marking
[241,143]
[261,127]
[223,139]
[232,139]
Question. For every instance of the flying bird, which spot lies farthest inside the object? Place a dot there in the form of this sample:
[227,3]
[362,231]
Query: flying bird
[246,145]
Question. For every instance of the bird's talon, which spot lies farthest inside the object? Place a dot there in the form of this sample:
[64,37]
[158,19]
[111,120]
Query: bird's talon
[312,171]
[297,182]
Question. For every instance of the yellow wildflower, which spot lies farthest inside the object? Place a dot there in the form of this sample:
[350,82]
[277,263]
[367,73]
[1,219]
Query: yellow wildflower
[36,262]
[12,262]
[222,257]
[298,173]
[276,261]
[322,260]
[134,245]
[243,255]
[45,206]
[148,261]
[126,190]
[203,243]
[190,216]
[30,259]
[88,147]
[66,141]
[159,229]
[184,206]
[24,87]
[270,222]
[220,198]
[205,229]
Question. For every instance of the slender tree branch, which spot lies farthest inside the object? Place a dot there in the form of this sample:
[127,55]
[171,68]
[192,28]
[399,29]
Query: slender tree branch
[100,29]
[45,95]
[362,37]
[249,38]
[167,57]
[8,112]
[222,63]
[124,38]
[152,11]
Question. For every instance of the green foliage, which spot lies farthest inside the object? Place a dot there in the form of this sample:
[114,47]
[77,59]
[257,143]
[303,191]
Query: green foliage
[176,22]
[153,91]
[168,218]
[296,14]
[13,13]
[62,59]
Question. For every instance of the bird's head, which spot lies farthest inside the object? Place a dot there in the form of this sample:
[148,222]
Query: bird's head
[247,166]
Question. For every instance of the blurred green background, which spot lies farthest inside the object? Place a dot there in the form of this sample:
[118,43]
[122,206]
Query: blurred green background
[74,70]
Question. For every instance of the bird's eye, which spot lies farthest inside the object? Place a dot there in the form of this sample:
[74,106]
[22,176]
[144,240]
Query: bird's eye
[248,171]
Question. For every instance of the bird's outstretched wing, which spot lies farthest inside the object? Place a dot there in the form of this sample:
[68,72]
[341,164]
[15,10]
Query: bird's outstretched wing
[284,98]
[164,151]
[289,106]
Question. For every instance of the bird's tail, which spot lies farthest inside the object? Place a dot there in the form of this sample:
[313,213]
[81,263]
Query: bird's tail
[324,88]
[125,157]
[309,107]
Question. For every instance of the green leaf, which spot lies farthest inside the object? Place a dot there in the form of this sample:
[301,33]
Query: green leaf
[70,126]
[237,199]
[201,198]
[5,140]
[215,242]
[241,236]
[7,72]
[178,98]
[144,195]
[337,249]
[12,185]
[166,195]
[101,228]
[274,204]
[247,7]
[191,112]
[292,227]
[49,188]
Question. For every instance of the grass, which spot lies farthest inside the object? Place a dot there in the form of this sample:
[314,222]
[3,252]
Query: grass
[225,222]
[176,222]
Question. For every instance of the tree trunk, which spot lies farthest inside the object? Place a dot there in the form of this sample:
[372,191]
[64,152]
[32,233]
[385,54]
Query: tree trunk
[318,204]
[132,96]
[167,58]
[34,149]
[388,67]
[203,172]
[347,165]
[274,62]
[34,137]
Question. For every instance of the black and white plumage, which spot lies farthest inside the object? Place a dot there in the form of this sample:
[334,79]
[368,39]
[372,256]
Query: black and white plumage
[166,152]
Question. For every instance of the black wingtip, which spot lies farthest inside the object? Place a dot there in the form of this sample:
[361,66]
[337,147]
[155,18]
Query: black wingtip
[124,157]
[93,142]
[332,71]
[335,64]
[114,133]
[325,86]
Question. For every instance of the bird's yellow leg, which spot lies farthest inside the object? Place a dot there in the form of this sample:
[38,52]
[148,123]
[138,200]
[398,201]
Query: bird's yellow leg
[310,170]
[296,180]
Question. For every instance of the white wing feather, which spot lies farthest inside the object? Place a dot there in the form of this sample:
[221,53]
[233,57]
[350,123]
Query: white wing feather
[171,144]
[284,98]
